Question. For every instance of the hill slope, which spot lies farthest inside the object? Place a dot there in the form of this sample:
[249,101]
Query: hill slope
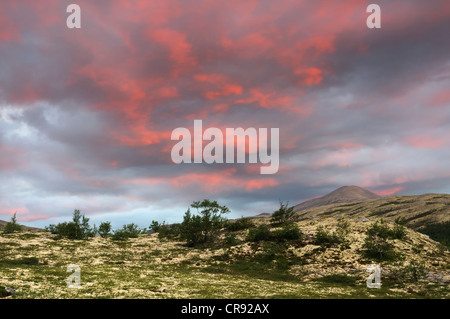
[345,194]
[416,210]
[26,228]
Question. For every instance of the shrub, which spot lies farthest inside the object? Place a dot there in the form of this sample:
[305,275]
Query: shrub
[343,226]
[120,235]
[12,226]
[325,238]
[78,228]
[398,232]
[240,224]
[413,272]
[381,229]
[378,248]
[271,250]
[377,244]
[204,226]
[104,229]
[283,214]
[262,232]
[169,231]
[132,230]
[231,240]
[127,231]
[400,220]
[288,232]
[165,231]
[155,226]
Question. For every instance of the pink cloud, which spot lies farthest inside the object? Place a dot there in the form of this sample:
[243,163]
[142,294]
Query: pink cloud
[427,142]
[440,99]
[32,218]
[224,180]
[389,191]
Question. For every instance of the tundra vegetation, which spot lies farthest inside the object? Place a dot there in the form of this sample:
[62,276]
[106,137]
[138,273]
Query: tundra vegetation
[208,256]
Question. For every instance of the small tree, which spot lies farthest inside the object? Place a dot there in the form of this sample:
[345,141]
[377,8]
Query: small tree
[203,227]
[104,229]
[283,214]
[78,228]
[12,226]
[155,225]
[377,243]
[128,231]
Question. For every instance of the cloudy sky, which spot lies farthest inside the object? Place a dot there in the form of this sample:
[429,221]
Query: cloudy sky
[86,115]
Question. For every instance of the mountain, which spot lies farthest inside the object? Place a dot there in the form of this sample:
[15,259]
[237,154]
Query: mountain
[416,211]
[345,194]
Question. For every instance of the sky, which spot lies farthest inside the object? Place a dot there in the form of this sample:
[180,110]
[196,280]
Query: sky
[86,115]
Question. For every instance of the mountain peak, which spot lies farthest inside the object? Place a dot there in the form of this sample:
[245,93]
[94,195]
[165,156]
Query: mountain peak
[344,194]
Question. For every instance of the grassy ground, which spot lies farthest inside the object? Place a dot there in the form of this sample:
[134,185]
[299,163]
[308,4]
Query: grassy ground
[34,264]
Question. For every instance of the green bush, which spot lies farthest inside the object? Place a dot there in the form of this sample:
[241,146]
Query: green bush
[401,220]
[78,228]
[132,230]
[119,235]
[231,240]
[166,231]
[377,243]
[262,232]
[398,232]
[155,225]
[283,214]
[204,226]
[381,229]
[12,226]
[379,249]
[127,231]
[240,224]
[325,238]
[169,231]
[270,251]
[410,273]
[287,232]
[104,229]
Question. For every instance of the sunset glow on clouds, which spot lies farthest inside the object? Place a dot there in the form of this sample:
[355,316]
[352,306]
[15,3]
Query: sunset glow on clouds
[86,114]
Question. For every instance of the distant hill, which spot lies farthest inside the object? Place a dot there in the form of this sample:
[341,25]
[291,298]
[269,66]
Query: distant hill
[417,211]
[3,224]
[345,194]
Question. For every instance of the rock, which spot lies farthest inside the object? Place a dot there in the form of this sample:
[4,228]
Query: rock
[363,220]
[10,290]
